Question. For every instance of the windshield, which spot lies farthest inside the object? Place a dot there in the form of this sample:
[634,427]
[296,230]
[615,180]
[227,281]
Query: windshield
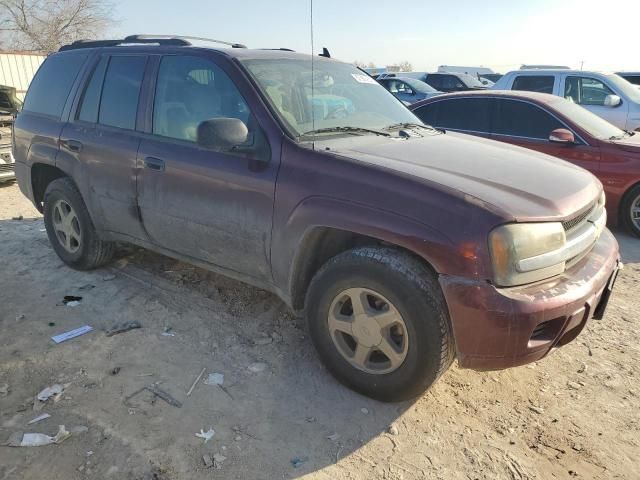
[625,87]
[471,81]
[342,95]
[418,85]
[589,122]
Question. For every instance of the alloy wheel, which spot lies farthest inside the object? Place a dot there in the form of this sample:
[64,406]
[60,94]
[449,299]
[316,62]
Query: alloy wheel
[66,226]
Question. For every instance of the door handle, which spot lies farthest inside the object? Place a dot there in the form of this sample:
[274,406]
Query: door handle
[153,163]
[73,145]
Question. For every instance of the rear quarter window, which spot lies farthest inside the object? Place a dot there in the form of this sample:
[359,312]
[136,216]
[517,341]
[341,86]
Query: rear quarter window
[534,83]
[52,84]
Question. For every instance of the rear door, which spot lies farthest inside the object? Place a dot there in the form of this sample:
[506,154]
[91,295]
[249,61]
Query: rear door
[213,205]
[527,125]
[465,115]
[102,135]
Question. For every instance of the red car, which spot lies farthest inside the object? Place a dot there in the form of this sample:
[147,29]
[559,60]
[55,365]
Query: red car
[551,125]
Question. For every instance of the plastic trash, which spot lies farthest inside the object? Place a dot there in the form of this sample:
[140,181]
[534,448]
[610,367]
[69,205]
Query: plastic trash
[39,439]
[52,391]
[206,436]
[39,418]
[257,367]
[63,337]
[71,300]
[214,379]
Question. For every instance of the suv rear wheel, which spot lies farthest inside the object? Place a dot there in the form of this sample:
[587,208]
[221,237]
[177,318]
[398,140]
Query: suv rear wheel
[379,323]
[70,229]
[631,210]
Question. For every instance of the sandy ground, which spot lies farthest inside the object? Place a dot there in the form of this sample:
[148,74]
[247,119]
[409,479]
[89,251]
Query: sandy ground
[574,414]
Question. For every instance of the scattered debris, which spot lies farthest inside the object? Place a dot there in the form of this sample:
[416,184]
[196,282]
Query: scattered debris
[311,419]
[264,340]
[574,385]
[206,459]
[298,462]
[115,371]
[19,217]
[257,367]
[86,287]
[39,418]
[4,390]
[52,324]
[533,408]
[365,411]
[168,332]
[218,460]
[583,368]
[393,429]
[71,301]
[49,392]
[123,327]
[334,437]
[38,439]
[20,317]
[214,379]
[577,447]
[195,382]
[108,278]
[158,392]
[63,337]
[206,436]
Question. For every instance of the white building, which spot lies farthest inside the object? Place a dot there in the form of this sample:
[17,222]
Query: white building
[18,68]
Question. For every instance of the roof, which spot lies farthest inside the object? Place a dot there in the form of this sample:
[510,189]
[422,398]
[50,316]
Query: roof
[517,94]
[556,70]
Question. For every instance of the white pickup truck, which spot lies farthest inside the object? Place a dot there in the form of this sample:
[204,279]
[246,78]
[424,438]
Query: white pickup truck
[605,94]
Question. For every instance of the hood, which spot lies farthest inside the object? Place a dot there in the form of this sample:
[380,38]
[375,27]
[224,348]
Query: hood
[629,144]
[520,183]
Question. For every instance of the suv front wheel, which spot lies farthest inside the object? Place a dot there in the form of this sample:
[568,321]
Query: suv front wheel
[70,229]
[379,323]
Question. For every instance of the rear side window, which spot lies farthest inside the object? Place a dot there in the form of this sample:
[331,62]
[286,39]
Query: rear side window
[469,114]
[52,84]
[121,90]
[522,119]
[534,83]
[91,98]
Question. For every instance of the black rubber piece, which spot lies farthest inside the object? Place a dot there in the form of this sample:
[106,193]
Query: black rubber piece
[413,289]
[93,252]
[625,210]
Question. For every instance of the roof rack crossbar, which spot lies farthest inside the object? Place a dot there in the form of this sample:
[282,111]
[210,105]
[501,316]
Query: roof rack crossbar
[173,40]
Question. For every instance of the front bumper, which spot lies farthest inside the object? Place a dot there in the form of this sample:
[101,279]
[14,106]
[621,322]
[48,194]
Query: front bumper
[497,328]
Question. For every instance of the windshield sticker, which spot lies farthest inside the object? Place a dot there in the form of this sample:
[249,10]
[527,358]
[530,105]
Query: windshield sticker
[362,78]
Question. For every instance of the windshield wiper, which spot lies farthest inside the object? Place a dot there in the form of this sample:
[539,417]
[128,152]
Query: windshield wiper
[620,137]
[345,129]
[398,126]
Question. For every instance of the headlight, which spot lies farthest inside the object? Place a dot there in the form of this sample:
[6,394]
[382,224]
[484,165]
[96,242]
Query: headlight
[513,247]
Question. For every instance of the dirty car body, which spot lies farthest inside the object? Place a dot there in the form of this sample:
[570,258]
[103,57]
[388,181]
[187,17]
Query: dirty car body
[315,179]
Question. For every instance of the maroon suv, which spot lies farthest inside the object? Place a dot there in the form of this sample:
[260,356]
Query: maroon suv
[405,246]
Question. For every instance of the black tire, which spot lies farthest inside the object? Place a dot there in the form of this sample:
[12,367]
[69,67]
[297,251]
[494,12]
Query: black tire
[413,289]
[628,201]
[92,252]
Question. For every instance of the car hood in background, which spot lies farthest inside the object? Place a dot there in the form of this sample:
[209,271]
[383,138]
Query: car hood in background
[629,144]
[523,184]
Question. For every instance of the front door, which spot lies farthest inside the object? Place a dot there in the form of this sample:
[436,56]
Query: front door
[591,93]
[527,125]
[210,204]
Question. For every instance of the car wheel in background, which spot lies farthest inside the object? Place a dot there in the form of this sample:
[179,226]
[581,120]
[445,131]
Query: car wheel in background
[70,229]
[631,210]
[379,322]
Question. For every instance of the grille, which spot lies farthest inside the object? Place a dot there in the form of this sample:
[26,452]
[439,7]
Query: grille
[577,220]
[7,167]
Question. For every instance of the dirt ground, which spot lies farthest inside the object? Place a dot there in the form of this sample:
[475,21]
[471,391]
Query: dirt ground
[572,415]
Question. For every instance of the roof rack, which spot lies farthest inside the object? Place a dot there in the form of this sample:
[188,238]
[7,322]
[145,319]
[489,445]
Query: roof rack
[174,40]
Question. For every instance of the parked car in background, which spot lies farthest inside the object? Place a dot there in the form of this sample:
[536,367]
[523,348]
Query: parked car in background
[7,163]
[605,94]
[453,82]
[555,126]
[408,90]
[631,77]
[404,246]
[492,77]
[483,74]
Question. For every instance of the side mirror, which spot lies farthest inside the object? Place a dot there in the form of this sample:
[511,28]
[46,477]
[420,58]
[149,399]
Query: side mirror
[612,101]
[222,133]
[563,136]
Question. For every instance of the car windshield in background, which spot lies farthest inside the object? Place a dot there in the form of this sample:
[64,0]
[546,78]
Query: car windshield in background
[471,81]
[591,123]
[342,96]
[625,87]
[419,86]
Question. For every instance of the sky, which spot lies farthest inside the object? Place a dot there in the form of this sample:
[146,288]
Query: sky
[500,34]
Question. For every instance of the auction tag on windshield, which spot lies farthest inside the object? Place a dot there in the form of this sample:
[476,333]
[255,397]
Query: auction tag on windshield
[362,78]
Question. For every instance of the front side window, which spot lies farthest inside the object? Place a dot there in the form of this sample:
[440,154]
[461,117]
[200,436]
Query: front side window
[191,90]
[534,83]
[52,84]
[586,91]
[121,90]
[521,119]
[331,95]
